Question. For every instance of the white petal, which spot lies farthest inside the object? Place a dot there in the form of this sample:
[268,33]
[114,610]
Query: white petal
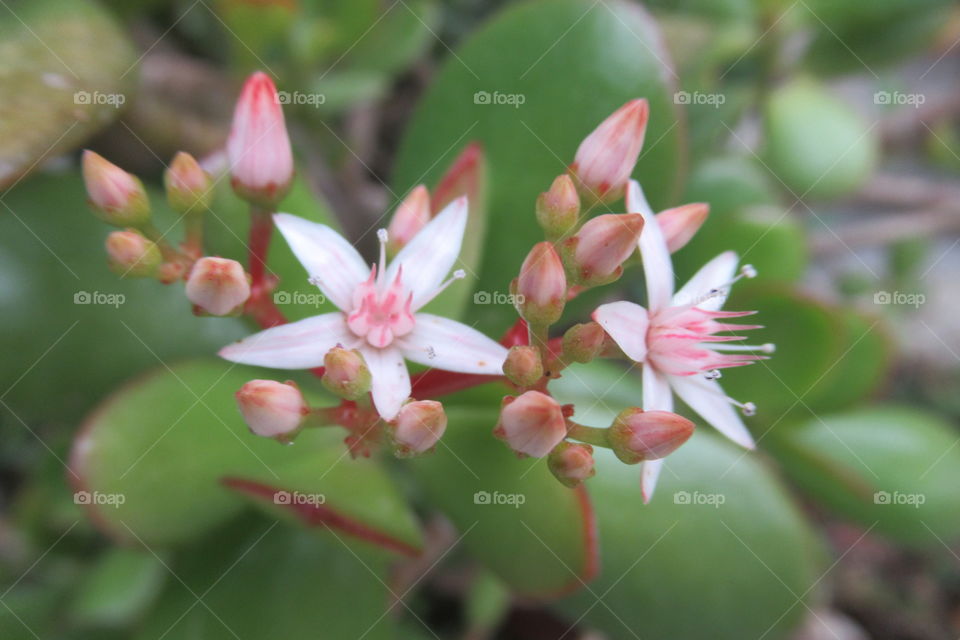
[657,266]
[627,324]
[428,258]
[390,380]
[711,276]
[297,345]
[657,395]
[649,474]
[447,344]
[708,399]
[329,259]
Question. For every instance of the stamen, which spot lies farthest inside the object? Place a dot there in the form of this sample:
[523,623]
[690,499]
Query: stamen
[382,237]
[746,408]
[763,348]
[459,274]
[713,374]
[747,271]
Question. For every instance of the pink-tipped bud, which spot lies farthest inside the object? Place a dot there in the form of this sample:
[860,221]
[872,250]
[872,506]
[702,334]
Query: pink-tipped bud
[572,463]
[679,224]
[638,435]
[117,197]
[272,409]
[559,208]
[131,255]
[606,157]
[532,424]
[189,189]
[345,373]
[217,286]
[584,342]
[523,366]
[541,289]
[418,427]
[261,161]
[596,254]
[412,215]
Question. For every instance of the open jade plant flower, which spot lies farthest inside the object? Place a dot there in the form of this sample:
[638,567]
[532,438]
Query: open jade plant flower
[360,351]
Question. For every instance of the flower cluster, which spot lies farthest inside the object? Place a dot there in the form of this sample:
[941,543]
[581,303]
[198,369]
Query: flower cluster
[680,339]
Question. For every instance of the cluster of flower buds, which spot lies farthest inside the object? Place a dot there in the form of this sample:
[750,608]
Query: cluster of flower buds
[360,349]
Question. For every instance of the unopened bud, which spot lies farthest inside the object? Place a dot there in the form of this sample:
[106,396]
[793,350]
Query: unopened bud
[272,409]
[584,342]
[596,254]
[572,463]
[345,373]
[531,424]
[418,427]
[117,197]
[412,215]
[261,160]
[523,366]
[559,208]
[541,289]
[130,254]
[606,157]
[638,435]
[679,224]
[188,185]
[217,286]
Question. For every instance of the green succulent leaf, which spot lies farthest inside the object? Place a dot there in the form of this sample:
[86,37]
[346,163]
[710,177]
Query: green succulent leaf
[890,468]
[530,531]
[158,451]
[65,70]
[505,86]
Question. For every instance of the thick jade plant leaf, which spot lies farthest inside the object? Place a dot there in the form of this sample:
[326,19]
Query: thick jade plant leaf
[721,537]
[530,85]
[269,581]
[893,469]
[815,144]
[515,518]
[70,329]
[810,341]
[157,460]
[65,71]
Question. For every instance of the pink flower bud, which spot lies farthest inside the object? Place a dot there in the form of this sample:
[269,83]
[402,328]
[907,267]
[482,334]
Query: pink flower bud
[594,256]
[606,158]
[679,224]
[346,373]
[638,435]
[559,208]
[523,366]
[188,185]
[217,285]
[411,216]
[572,463]
[541,289]
[272,409]
[419,425]
[584,342]
[261,161]
[129,254]
[531,424]
[117,197]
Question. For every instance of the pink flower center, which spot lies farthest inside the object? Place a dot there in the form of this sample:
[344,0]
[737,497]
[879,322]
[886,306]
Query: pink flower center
[682,341]
[381,313]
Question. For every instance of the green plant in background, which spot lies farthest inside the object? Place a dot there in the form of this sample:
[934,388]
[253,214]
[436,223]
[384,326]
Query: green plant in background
[102,413]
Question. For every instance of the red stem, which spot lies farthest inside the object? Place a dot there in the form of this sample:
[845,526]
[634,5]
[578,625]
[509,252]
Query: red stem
[260,305]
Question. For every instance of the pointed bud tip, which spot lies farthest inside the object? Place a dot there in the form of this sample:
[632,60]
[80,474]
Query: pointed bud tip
[130,254]
[638,435]
[117,197]
[541,287]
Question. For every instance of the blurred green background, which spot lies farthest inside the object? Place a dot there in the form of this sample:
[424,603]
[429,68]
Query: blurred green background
[825,137]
